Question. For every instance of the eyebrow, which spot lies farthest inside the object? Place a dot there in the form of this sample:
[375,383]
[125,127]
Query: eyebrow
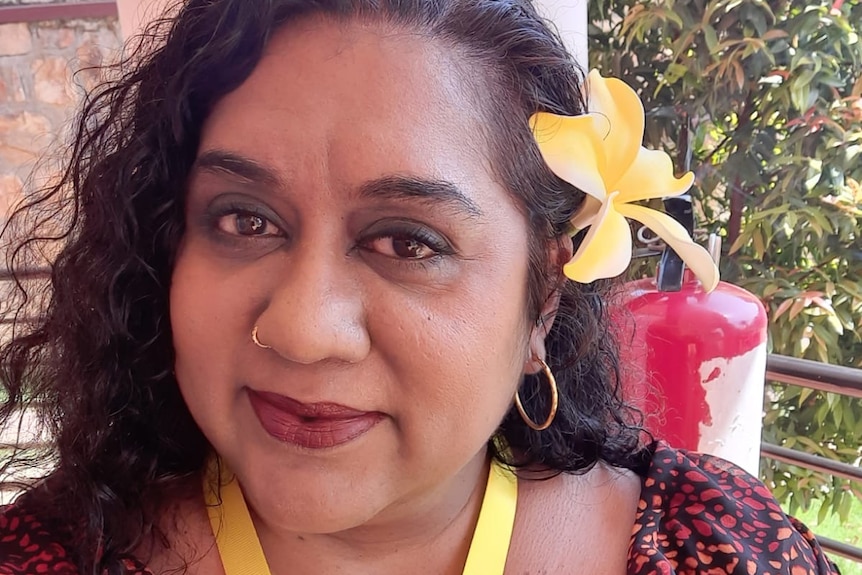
[434,192]
[239,167]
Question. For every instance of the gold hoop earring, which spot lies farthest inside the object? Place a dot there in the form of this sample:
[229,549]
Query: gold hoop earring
[257,341]
[555,398]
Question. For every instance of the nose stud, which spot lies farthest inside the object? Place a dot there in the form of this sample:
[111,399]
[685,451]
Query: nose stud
[257,341]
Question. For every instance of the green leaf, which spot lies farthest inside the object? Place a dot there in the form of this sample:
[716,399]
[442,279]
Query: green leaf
[835,324]
[804,395]
[838,415]
[844,505]
[813,448]
[759,242]
[815,170]
[675,72]
[711,38]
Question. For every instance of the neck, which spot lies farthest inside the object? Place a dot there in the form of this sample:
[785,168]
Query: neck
[433,528]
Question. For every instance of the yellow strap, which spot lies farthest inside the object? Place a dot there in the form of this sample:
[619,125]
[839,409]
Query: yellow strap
[241,553]
[490,546]
[236,537]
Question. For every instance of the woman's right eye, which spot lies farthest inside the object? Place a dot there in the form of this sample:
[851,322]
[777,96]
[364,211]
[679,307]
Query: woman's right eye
[247,224]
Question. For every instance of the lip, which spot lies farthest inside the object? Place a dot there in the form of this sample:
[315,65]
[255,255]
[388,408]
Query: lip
[310,425]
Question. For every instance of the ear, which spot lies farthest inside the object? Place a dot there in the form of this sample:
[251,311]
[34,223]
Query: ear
[560,250]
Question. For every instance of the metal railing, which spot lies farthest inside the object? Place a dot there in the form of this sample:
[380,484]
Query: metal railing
[26,274]
[814,375]
[822,377]
[22,276]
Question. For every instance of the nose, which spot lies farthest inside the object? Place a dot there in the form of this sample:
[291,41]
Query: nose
[315,311]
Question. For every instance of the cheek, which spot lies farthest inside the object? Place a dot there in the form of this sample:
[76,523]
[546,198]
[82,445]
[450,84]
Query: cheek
[189,321]
[208,316]
[464,353]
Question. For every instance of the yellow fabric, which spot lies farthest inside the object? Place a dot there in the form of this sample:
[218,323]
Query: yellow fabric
[490,546]
[238,545]
[241,553]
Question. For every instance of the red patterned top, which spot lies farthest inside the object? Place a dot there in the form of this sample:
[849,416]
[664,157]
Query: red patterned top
[698,515]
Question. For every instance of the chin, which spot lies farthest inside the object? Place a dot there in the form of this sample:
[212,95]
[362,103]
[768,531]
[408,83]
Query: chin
[316,511]
[308,499]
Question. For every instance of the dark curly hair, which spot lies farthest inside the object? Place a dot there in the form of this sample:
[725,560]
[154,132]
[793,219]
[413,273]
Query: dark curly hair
[97,364]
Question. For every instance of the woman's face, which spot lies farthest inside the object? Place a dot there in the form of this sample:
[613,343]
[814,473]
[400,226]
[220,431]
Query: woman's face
[343,203]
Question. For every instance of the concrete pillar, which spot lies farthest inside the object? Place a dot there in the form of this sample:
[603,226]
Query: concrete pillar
[136,14]
[570,17]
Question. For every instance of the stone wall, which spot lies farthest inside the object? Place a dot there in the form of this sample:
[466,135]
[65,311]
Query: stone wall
[43,74]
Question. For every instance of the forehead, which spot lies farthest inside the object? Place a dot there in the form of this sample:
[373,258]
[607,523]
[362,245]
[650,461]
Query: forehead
[354,97]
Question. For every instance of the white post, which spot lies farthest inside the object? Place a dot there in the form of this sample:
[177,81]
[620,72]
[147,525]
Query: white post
[570,17]
[136,14]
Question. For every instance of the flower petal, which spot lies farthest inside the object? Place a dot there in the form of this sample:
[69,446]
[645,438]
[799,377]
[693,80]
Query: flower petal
[651,176]
[615,100]
[674,234]
[571,147]
[587,213]
[606,250]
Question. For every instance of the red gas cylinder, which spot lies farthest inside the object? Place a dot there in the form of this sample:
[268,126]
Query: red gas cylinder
[695,362]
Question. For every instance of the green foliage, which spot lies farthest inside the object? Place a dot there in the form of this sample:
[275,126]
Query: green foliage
[763,99]
[849,531]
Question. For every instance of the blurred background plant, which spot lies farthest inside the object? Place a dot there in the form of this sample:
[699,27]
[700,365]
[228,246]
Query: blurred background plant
[763,100]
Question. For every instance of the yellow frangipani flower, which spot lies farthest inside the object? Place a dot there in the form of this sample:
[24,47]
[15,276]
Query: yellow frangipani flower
[601,153]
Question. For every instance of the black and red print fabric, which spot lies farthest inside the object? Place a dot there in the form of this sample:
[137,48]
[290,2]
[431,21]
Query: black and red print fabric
[698,515]
[702,515]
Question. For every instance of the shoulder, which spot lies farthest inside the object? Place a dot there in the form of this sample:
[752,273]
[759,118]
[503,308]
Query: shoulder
[698,513]
[574,522]
[27,545]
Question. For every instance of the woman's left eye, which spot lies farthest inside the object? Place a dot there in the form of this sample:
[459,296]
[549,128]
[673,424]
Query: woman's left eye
[402,247]
[406,242]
